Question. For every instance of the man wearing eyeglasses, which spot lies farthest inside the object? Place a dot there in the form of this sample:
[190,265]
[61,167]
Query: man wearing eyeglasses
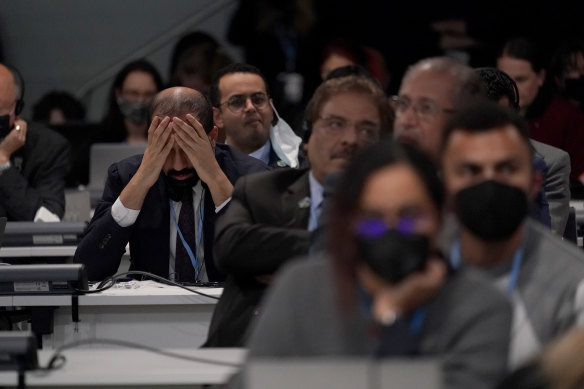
[244,112]
[272,214]
[430,91]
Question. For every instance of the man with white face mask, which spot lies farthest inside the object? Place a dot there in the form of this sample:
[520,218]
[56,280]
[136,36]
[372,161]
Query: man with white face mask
[243,111]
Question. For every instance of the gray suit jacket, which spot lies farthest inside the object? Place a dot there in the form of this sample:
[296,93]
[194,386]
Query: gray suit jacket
[550,289]
[549,295]
[467,324]
[556,183]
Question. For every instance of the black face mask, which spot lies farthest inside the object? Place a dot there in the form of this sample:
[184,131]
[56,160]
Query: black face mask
[4,125]
[178,189]
[393,255]
[575,88]
[491,210]
[135,111]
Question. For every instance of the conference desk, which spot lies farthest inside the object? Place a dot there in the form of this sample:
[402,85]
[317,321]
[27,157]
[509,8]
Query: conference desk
[144,312]
[37,251]
[50,254]
[114,368]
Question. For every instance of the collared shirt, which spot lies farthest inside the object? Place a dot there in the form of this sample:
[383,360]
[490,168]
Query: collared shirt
[315,201]
[263,153]
[125,217]
[199,252]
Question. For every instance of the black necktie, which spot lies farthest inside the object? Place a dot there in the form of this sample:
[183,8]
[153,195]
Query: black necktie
[185,272]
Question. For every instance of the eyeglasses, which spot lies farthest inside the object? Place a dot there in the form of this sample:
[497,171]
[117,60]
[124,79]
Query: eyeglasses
[375,226]
[424,109]
[336,125]
[237,103]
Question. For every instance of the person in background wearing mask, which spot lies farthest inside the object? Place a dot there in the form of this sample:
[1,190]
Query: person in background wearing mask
[489,176]
[129,102]
[34,160]
[382,289]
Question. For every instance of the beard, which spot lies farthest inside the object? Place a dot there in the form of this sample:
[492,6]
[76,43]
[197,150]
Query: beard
[178,189]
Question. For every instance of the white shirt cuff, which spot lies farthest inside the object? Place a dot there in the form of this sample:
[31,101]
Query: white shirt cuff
[44,215]
[223,204]
[124,216]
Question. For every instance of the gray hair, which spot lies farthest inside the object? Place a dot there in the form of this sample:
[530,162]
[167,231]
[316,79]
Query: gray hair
[468,86]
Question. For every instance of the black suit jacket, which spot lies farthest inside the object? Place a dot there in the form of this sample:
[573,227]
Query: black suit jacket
[37,175]
[104,241]
[265,226]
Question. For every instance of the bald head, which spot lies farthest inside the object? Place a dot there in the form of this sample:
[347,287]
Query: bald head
[9,91]
[180,101]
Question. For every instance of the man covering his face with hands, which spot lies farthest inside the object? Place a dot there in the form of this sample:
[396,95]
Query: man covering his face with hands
[182,168]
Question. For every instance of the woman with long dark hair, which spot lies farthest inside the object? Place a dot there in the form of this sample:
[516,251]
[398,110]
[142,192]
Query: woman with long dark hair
[129,99]
[383,289]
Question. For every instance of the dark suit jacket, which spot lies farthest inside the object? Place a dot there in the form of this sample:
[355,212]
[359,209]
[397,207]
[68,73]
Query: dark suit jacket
[265,226]
[37,176]
[104,241]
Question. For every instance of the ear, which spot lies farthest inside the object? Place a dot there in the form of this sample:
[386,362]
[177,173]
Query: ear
[541,75]
[213,136]
[218,117]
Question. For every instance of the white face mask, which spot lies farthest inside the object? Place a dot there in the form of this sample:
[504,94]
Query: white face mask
[284,140]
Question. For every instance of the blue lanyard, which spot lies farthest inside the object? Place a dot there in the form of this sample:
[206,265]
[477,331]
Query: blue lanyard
[456,261]
[417,320]
[190,252]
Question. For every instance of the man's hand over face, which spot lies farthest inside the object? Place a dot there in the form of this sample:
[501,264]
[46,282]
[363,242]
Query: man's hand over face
[192,139]
[13,141]
[159,145]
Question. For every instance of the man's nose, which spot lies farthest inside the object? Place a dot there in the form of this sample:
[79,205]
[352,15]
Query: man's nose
[407,117]
[249,105]
[350,135]
[488,174]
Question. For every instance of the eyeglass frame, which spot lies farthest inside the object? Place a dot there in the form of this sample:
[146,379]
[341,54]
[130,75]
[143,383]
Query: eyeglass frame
[250,97]
[370,224]
[395,99]
[346,125]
